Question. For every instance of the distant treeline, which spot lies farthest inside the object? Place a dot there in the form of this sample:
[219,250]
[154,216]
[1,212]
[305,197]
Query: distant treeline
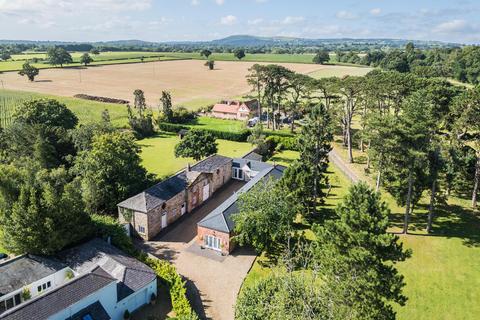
[462,64]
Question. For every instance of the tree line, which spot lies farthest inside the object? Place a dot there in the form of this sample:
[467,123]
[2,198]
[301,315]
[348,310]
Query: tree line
[56,176]
[417,133]
[346,270]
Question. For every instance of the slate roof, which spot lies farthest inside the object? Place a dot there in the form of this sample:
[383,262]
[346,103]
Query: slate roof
[220,219]
[252,155]
[55,300]
[167,189]
[210,164]
[23,270]
[95,310]
[156,195]
[252,164]
[131,273]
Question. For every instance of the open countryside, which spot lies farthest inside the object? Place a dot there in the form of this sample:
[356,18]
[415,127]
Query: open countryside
[189,81]
[217,169]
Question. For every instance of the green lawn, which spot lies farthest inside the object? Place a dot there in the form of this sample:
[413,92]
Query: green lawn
[218,124]
[443,275]
[158,153]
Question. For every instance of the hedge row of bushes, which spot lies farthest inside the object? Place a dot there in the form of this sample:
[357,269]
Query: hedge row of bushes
[283,143]
[176,286]
[240,136]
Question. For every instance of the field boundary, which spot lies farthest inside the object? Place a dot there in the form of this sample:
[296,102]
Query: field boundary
[81,66]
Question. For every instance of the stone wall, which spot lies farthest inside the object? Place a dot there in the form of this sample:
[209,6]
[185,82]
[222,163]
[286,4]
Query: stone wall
[227,244]
[173,209]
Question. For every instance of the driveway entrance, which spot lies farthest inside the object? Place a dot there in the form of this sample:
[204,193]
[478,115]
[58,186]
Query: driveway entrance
[213,280]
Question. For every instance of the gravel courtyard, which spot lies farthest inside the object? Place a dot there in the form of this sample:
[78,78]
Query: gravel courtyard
[213,280]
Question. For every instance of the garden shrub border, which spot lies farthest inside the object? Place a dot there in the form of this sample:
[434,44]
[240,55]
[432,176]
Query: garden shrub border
[287,140]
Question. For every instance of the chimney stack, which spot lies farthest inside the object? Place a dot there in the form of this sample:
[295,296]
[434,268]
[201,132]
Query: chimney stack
[188,167]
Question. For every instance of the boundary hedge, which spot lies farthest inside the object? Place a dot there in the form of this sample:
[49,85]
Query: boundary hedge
[286,140]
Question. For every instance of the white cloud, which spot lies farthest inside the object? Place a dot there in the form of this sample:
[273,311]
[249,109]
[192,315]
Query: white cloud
[195,2]
[345,15]
[220,2]
[228,20]
[293,20]
[255,21]
[376,11]
[44,6]
[452,26]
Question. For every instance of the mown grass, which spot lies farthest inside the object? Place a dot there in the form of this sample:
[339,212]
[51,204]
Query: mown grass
[158,153]
[443,275]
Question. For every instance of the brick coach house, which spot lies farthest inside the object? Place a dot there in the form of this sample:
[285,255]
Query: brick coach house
[154,209]
[237,110]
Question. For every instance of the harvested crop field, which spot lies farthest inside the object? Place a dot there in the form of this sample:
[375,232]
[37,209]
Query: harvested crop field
[187,80]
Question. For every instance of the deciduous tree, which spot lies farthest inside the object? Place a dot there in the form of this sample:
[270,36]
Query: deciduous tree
[86,59]
[30,71]
[110,171]
[196,144]
[58,56]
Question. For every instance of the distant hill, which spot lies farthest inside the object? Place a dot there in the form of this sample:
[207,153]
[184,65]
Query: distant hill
[246,40]
[256,41]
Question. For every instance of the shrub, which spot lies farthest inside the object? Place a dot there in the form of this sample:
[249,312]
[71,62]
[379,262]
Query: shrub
[282,143]
[176,285]
[240,136]
[26,294]
[183,115]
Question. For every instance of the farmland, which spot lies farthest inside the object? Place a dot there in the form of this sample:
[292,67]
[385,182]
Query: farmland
[121,57]
[104,58]
[187,80]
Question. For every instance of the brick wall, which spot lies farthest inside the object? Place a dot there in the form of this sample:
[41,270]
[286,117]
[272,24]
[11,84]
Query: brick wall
[227,244]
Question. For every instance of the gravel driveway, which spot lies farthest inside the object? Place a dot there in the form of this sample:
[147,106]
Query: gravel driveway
[213,280]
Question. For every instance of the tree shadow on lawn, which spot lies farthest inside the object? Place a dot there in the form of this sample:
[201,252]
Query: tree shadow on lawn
[450,221]
[145,143]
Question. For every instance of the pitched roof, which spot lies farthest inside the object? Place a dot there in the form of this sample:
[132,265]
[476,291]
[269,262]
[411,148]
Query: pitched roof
[229,107]
[57,299]
[220,219]
[157,194]
[167,189]
[131,273]
[252,155]
[210,164]
[95,310]
[23,270]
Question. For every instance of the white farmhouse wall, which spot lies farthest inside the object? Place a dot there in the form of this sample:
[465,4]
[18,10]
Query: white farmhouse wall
[56,279]
[108,298]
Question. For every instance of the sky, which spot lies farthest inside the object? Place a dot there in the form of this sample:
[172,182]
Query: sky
[179,20]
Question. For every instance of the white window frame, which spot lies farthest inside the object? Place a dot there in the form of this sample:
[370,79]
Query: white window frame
[212,242]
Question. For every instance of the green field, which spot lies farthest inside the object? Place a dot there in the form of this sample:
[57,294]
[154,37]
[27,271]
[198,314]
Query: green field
[103,58]
[134,57]
[340,71]
[87,111]
[158,153]
[443,275]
